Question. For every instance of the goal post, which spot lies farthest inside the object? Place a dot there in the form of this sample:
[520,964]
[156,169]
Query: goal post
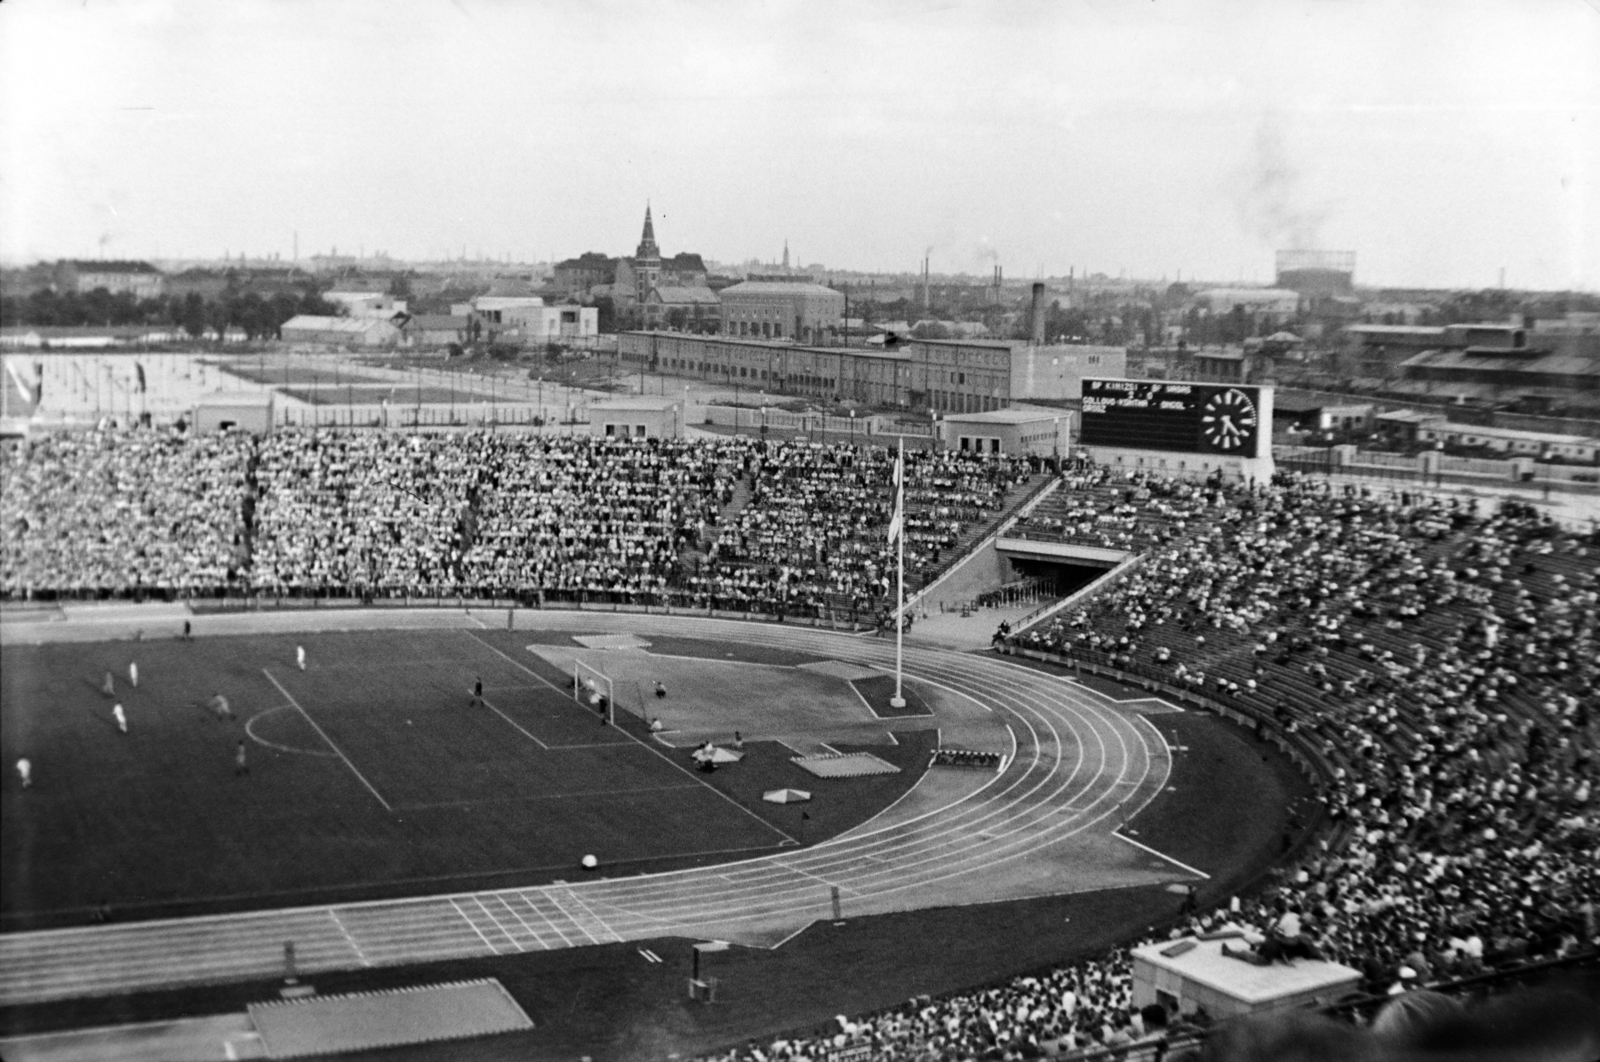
[589,684]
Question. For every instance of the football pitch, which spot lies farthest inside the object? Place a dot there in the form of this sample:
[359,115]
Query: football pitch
[370,773]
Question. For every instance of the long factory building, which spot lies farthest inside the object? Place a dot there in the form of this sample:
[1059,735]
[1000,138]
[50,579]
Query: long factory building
[946,376]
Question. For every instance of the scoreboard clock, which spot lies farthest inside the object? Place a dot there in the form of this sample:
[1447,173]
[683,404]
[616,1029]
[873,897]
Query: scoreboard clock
[1229,421]
[1177,417]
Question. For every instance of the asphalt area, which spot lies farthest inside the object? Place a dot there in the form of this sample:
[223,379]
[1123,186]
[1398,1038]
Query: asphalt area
[372,773]
[1225,810]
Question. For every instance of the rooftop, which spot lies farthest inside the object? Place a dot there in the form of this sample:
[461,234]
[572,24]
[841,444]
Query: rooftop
[654,403]
[779,287]
[1511,361]
[333,324]
[1395,330]
[110,265]
[1206,965]
[1015,415]
[691,294]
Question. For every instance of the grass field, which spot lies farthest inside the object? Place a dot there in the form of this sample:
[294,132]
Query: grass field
[1228,803]
[370,774]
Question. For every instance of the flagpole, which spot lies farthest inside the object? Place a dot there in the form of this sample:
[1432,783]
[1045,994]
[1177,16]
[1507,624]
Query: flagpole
[899,700]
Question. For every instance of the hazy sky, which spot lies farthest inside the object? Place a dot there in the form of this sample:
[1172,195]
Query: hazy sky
[1442,140]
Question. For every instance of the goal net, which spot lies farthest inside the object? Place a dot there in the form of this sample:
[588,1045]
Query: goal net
[592,689]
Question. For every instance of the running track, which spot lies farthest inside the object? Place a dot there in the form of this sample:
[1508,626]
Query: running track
[1080,768]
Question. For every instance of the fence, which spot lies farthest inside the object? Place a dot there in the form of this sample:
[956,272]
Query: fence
[238,598]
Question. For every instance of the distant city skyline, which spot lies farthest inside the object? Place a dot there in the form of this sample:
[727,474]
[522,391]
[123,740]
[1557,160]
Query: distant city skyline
[1441,141]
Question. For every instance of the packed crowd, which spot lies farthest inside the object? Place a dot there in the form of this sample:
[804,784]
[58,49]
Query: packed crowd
[1135,513]
[373,509]
[136,510]
[1444,664]
[737,523]
[816,525]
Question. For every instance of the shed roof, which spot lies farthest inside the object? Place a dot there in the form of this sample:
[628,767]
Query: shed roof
[779,287]
[353,325]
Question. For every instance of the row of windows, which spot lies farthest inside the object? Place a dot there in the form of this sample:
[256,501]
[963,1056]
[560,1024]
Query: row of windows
[745,373]
[962,403]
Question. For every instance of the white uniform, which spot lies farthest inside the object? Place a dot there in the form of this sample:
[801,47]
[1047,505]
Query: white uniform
[25,770]
[133,674]
[122,720]
[300,656]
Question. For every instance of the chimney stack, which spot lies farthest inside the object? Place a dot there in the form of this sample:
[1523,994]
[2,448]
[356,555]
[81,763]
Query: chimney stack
[1038,314]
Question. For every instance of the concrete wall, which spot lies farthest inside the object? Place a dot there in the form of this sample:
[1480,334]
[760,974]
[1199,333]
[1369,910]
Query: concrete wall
[1056,372]
[985,569]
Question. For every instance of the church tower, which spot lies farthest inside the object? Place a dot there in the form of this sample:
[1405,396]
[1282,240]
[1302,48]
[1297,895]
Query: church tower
[647,259]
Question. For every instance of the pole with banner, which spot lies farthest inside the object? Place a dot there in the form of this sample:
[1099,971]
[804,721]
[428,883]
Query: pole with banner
[897,537]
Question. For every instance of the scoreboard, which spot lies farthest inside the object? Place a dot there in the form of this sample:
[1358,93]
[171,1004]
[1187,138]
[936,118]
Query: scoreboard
[1178,417]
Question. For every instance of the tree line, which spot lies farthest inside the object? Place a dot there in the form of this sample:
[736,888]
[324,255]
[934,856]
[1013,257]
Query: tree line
[258,316]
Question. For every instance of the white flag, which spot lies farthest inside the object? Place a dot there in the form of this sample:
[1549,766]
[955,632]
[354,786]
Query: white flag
[897,523]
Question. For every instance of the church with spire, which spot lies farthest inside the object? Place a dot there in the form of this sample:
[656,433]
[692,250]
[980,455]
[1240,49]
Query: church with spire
[646,288]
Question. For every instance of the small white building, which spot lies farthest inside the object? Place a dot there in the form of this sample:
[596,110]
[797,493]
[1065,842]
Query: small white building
[234,411]
[435,330]
[541,324]
[1193,973]
[640,417]
[1017,431]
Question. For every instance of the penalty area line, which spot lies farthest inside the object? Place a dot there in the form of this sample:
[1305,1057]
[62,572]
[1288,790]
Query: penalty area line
[668,759]
[513,723]
[337,751]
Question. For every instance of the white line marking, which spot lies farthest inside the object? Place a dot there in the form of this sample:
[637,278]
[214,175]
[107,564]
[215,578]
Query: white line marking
[1163,855]
[550,895]
[493,950]
[566,942]
[537,939]
[517,663]
[579,900]
[259,740]
[334,914]
[514,726]
[490,915]
[329,740]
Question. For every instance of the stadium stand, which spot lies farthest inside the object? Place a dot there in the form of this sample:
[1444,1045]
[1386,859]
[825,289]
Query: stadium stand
[736,524]
[1445,662]
[1441,662]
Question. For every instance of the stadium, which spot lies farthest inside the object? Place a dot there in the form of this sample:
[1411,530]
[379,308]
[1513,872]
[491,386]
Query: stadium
[552,745]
